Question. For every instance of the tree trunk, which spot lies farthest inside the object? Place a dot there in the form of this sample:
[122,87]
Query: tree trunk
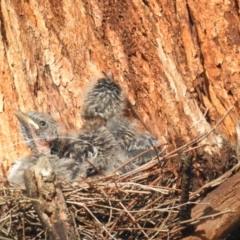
[178,62]
[224,198]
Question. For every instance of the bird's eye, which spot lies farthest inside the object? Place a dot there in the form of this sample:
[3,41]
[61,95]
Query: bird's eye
[42,123]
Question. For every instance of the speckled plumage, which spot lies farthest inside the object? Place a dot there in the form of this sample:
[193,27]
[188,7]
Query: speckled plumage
[41,133]
[104,99]
[132,140]
[96,144]
[93,143]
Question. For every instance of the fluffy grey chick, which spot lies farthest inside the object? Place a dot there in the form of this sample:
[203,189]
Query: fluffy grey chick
[132,140]
[104,99]
[39,131]
[65,168]
[94,143]
[97,145]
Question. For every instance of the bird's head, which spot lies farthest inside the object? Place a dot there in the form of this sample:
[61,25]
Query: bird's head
[104,99]
[39,130]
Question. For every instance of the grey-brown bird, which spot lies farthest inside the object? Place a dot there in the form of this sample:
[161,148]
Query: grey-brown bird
[107,100]
[97,145]
[66,169]
[39,131]
[132,140]
[94,143]
[104,99]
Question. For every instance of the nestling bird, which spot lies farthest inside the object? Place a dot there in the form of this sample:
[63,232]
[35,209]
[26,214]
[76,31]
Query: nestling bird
[65,168]
[96,144]
[104,99]
[39,131]
[107,100]
[132,140]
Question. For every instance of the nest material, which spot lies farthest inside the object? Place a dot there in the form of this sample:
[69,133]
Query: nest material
[143,204]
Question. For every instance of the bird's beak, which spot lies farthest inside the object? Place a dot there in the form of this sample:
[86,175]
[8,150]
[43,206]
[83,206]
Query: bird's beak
[23,117]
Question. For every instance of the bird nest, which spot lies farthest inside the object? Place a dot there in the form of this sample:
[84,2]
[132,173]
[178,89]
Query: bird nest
[141,204]
[146,203]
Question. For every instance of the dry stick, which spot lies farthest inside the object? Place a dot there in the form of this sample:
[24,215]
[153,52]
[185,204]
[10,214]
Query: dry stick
[128,208]
[198,139]
[188,150]
[153,163]
[10,223]
[121,214]
[202,136]
[170,155]
[186,168]
[135,198]
[75,225]
[110,204]
[4,221]
[95,168]
[134,220]
[151,229]
[5,238]
[202,118]
[140,154]
[52,209]
[108,232]
[166,219]
[219,121]
[137,115]
[196,220]
[23,227]
[38,235]
[127,212]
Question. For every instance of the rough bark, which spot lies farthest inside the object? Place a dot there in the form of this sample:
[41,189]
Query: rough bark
[178,62]
[174,61]
[224,198]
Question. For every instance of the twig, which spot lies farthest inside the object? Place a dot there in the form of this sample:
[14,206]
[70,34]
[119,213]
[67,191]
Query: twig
[196,220]
[52,210]
[202,118]
[186,172]
[39,234]
[95,168]
[133,219]
[137,115]
[140,154]
[23,227]
[108,232]
[202,136]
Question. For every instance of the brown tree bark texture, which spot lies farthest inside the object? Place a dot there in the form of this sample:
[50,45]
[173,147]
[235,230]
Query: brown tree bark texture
[174,59]
[218,227]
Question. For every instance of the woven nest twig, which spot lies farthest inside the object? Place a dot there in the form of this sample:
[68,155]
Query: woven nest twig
[142,204]
[107,208]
